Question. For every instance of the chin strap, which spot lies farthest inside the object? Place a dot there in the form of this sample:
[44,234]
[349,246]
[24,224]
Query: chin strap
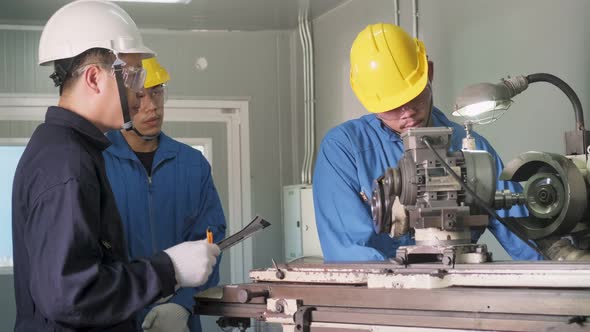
[429,121]
[127,122]
[144,137]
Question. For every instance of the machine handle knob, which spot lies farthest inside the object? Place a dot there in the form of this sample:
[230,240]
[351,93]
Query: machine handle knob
[246,295]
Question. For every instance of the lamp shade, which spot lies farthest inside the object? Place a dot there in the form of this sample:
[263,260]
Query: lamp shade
[483,102]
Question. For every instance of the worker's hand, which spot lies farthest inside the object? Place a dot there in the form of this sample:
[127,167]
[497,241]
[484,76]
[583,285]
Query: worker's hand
[193,262]
[167,317]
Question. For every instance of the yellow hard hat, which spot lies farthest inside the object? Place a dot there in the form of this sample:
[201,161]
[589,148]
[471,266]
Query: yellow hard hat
[155,73]
[388,67]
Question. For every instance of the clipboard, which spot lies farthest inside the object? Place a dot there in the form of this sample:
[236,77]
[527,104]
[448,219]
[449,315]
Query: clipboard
[256,225]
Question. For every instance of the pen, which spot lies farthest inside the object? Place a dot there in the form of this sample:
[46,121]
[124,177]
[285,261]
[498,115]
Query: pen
[209,236]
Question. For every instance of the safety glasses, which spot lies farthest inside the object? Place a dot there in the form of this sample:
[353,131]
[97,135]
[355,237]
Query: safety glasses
[158,94]
[421,103]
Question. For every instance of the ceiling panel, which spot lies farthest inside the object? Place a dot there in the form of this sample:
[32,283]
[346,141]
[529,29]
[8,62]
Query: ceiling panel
[199,14]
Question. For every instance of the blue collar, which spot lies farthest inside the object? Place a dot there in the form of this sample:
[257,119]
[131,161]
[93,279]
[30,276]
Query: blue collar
[167,147]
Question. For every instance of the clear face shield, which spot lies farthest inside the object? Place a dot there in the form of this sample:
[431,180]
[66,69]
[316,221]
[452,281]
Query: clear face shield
[128,78]
[133,77]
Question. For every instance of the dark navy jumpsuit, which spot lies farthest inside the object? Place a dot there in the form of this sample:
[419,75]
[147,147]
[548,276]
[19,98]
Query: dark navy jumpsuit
[71,271]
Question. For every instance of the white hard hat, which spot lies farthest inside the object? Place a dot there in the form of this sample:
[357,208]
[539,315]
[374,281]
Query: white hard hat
[85,24]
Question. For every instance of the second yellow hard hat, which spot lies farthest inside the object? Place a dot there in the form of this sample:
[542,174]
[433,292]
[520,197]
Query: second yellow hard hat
[155,73]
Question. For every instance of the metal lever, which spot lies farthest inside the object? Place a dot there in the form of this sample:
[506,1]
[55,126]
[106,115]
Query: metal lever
[279,274]
[245,295]
[253,227]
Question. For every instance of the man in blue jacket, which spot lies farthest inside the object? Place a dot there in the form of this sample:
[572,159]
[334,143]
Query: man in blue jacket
[71,265]
[390,74]
[165,194]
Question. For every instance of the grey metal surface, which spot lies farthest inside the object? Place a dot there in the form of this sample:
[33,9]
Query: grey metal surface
[434,198]
[567,180]
[376,266]
[479,300]
[481,176]
[449,253]
[409,318]
[563,250]
[506,199]
[576,142]
[466,308]
[506,304]
[555,275]
[544,195]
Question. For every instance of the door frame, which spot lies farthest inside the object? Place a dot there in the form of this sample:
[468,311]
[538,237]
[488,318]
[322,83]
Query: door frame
[235,115]
[206,142]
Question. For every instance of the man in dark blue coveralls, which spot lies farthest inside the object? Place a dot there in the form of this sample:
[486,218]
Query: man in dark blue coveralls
[71,271]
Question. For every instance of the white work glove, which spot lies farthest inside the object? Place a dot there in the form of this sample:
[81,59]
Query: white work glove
[168,317]
[400,222]
[193,262]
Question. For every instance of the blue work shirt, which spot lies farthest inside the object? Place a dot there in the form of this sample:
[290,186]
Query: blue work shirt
[354,154]
[176,204]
